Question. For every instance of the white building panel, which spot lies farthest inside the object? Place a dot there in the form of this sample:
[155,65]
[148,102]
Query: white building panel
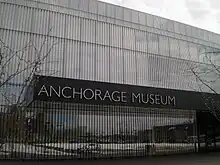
[142,18]
[164,23]
[153,43]
[135,16]
[8,13]
[142,69]
[164,46]
[102,64]
[141,41]
[24,17]
[152,70]
[128,38]
[161,71]
[110,11]
[82,41]
[88,30]
[157,22]
[57,24]
[72,27]
[182,28]
[84,5]
[72,59]
[119,13]
[116,66]
[41,23]
[194,52]
[16,54]
[87,61]
[174,48]
[130,64]
[174,75]
[170,26]
[55,57]
[102,8]
[201,54]
[164,66]
[150,20]
[127,15]
[188,79]
[93,6]
[116,36]
[40,50]
[102,33]
[177,27]
[74,4]
[188,30]
[184,50]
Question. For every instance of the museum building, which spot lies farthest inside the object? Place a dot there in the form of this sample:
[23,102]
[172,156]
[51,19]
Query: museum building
[116,78]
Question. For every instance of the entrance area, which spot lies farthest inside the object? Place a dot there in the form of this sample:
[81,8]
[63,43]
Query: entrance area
[83,131]
[208,132]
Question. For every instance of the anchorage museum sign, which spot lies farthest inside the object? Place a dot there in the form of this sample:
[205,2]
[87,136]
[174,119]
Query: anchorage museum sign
[92,92]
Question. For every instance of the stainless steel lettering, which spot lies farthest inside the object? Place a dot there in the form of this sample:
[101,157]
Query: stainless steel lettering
[62,92]
[123,97]
[77,93]
[68,92]
[55,91]
[86,91]
[151,99]
[107,95]
[116,98]
[172,100]
[43,90]
[136,96]
[157,99]
[144,98]
[162,100]
[98,93]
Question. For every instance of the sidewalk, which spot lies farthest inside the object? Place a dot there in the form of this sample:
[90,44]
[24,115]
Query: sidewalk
[200,159]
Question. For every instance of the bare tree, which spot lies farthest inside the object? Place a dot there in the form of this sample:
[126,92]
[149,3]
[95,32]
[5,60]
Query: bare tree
[207,75]
[25,67]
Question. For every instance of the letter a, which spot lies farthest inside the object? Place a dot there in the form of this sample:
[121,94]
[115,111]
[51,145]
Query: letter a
[43,90]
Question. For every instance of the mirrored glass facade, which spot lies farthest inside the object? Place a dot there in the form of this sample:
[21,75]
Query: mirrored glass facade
[92,40]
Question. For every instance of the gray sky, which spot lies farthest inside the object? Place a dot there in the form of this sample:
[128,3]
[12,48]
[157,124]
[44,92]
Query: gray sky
[204,14]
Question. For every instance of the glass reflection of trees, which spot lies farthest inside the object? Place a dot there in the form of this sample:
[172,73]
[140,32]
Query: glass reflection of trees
[72,126]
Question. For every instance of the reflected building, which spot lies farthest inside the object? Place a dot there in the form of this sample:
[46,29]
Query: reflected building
[98,42]
[179,133]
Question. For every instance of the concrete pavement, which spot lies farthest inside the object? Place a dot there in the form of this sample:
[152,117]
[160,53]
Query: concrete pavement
[193,159]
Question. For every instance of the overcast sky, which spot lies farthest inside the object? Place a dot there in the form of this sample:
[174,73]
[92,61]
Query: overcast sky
[204,14]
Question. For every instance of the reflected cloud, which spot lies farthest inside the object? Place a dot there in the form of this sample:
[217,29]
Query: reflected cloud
[214,4]
[198,14]
[198,9]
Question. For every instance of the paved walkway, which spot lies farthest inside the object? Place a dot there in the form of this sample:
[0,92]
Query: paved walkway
[202,159]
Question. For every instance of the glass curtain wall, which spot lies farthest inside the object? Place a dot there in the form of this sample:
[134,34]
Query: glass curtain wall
[82,131]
